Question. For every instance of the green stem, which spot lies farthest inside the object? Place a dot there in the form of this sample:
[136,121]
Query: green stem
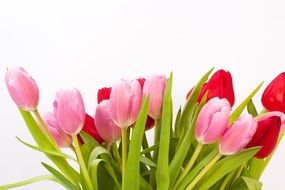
[227,180]
[45,129]
[204,171]
[124,151]
[189,164]
[28,181]
[82,163]
[145,146]
[117,154]
[155,154]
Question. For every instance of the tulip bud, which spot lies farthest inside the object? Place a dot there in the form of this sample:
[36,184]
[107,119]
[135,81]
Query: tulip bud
[62,139]
[69,110]
[125,102]
[273,98]
[219,85]
[105,126]
[212,120]
[154,87]
[103,94]
[238,135]
[22,88]
[266,135]
[90,128]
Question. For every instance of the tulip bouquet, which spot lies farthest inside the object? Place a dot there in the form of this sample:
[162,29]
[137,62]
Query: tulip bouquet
[208,145]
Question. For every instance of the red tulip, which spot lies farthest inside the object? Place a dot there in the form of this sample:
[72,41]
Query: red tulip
[219,85]
[90,129]
[266,135]
[104,94]
[273,98]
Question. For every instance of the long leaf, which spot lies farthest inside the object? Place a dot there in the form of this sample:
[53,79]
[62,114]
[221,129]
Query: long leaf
[162,171]
[238,111]
[224,166]
[50,152]
[28,181]
[63,180]
[186,141]
[132,172]
[43,142]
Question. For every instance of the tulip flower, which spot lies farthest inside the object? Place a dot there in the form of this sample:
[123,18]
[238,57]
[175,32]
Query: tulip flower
[219,85]
[125,102]
[273,98]
[212,120]
[103,94]
[62,139]
[154,87]
[105,126]
[238,135]
[69,110]
[266,134]
[90,128]
[22,88]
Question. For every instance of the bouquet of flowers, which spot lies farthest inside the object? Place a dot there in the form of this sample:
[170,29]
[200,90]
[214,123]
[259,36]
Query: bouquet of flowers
[208,145]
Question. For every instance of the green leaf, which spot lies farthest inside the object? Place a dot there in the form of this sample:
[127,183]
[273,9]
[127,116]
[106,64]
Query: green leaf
[147,161]
[176,126]
[50,152]
[238,111]
[251,109]
[246,183]
[189,177]
[132,172]
[156,146]
[43,142]
[64,181]
[188,123]
[94,171]
[224,166]
[162,171]
[28,181]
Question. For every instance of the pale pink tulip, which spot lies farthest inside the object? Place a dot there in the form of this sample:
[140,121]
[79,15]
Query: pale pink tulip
[62,139]
[212,120]
[69,110]
[238,135]
[154,87]
[105,126]
[22,88]
[125,102]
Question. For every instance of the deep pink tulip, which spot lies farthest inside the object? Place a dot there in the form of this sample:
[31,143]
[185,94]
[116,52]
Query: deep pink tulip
[22,88]
[238,135]
[212,120]
[62,139]
[105,126]
[154,87]
[125,102]
[69,110]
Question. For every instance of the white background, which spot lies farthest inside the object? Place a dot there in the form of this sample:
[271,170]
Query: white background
[89,44]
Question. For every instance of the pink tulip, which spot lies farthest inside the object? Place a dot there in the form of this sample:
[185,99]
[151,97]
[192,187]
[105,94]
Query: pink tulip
[62,139]
[105,126]
[154,87]
[212,120]
[238,135]
[125,102]
[22,88]
[69,110]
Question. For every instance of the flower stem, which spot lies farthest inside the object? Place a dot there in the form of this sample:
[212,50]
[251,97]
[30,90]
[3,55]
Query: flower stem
[227,180]
[189,164]
[82,163]
[45,129]
[124,151]
[204,171]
